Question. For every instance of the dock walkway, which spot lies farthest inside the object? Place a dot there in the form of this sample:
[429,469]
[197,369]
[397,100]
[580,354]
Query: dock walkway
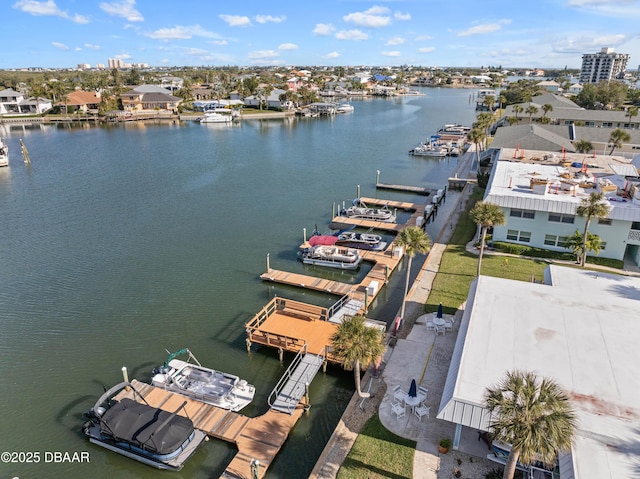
[258,438]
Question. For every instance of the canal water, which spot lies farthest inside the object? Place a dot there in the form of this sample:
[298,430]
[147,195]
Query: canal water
[120,242]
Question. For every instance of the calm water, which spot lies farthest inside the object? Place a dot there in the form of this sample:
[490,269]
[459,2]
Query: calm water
[118,242]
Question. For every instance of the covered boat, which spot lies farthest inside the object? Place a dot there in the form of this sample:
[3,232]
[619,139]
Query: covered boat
[366,241]
[360,210]
[153,436]
[219,115]
[195,381]
[332,256]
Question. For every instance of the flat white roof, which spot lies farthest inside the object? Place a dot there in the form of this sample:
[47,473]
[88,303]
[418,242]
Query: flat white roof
[582,330]
[510,184]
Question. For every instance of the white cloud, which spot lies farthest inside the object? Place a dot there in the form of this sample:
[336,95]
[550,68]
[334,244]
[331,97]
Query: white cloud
[47,8]
[421,38]
[332,55]
[236,20]
[89,46]
[613,8]
[426,49]
[401,16]
[375,17]
[263,54]
[195,51]
[484,28]
[125,9]
[288,46]
[584,42]
[181,32]
[60,46]
[393,54]
[323,29]
[351,35]
[395,41]
[220,42]
[269,18]
[123,56]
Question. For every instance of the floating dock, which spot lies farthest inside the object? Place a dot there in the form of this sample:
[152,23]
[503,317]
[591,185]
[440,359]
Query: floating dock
[259,438]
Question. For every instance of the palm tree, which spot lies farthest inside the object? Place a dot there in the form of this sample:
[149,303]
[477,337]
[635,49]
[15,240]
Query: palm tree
[518,109]
[531,110]
[577,245]
[476,136]
[631,112]
[593,206]
[546,108]
[486,215]
[357,345]
[534,416]
[617,138]
[583,146]
[414,241]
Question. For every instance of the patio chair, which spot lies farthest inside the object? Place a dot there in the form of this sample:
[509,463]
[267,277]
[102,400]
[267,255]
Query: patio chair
[422,393]
[421,411]
[398,410]
[448,325]
[399,395]
[430,326]
[440,330]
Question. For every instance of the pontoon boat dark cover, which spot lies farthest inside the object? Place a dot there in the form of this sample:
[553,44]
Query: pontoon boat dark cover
[140,425]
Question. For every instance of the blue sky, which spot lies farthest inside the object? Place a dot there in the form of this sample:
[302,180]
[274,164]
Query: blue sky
[465,33]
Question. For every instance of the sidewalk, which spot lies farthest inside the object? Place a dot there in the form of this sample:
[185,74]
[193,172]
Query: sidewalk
[417,354]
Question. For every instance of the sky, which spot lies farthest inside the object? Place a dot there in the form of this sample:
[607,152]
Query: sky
[440,33]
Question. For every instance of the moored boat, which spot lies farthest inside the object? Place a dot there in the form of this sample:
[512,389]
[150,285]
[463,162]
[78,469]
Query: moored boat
[158,438]
[332,256]
[4,153]
[360,210]
[366,241]
[219,115]
[430,149]
[344,108]
[195,381]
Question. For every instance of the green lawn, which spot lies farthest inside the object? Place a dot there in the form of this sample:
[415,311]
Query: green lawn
[378,453]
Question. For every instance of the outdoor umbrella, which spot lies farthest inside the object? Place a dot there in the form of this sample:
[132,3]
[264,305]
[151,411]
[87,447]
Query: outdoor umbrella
[413,389]
[439,313]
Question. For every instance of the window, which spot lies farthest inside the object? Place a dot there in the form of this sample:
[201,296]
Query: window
[635,225]
[589,123]
[554,240]
[522,236]
[607,124]
[560,218]
[517,213]
[604,221]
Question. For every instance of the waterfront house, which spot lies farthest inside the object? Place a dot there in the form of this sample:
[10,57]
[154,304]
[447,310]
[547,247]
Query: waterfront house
[81,101]
[579,329]
[273,100]
[149,97]
[14,103]
[540,192]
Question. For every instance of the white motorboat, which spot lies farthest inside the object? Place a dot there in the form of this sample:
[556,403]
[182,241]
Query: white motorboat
[195,381]
[219,115]
[153,436]
[4,153]
[360,210]
[331,256]
[366,241]
[344,108]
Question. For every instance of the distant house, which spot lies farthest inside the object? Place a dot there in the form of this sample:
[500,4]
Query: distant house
[171,83]
[149,97]
[273,100]
[575,89]
[14,103]
[550,85]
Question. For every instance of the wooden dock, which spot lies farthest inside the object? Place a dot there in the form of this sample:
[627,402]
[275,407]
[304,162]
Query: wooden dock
[258,438]
[410,189]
